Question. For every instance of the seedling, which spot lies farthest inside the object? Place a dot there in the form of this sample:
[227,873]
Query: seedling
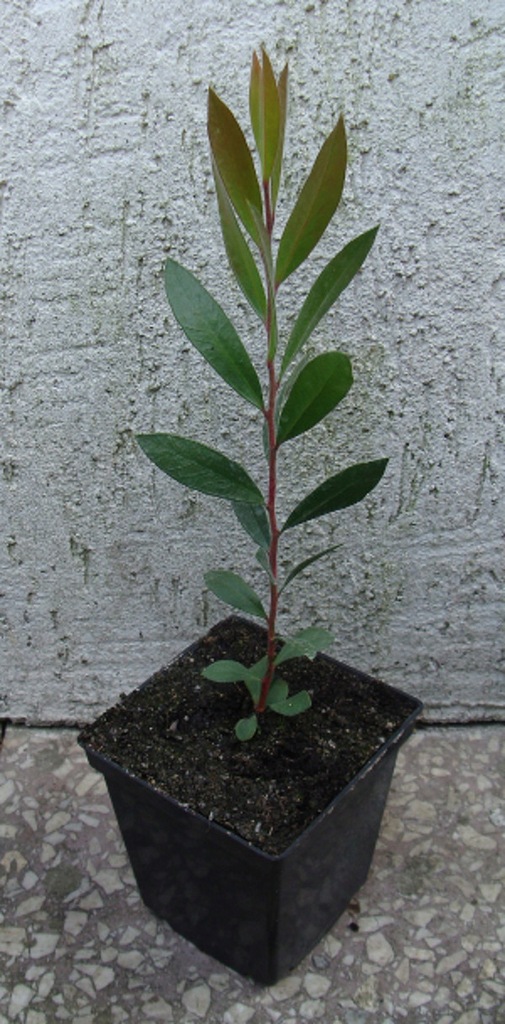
[296,392]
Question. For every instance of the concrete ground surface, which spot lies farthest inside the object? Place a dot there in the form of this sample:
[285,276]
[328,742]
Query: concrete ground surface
[423,942]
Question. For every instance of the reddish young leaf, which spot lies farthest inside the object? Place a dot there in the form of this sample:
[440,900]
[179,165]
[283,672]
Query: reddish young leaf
[315,205]
[234,163]
[238,252]
[265,112]
[282,87]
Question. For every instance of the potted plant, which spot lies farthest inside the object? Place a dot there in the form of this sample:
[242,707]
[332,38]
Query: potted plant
[250,776]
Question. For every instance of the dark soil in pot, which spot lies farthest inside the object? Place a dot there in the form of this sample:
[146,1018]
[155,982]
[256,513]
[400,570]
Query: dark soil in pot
[177,733]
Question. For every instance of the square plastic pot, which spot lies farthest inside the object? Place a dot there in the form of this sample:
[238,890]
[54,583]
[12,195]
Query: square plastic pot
[255,912]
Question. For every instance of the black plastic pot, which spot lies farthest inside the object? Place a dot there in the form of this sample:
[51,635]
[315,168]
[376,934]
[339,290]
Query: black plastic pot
[255,912]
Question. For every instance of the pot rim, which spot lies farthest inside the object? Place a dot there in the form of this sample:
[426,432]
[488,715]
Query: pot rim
[400,734]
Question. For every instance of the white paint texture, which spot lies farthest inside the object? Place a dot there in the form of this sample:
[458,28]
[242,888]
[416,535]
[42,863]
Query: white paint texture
[105,170]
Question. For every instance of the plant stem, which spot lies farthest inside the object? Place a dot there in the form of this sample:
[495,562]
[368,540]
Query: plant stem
[274,537]
[273,386]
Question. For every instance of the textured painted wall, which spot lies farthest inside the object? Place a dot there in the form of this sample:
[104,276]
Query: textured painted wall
[105,170]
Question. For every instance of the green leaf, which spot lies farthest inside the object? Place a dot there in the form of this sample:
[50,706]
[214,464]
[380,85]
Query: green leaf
[282,88]
[234,162]
[278,691]
[246,728]
[265,112]
[225,671]
[238,252]
[233,590]
[339,491]
[264,561]
[265,247]
[307,643]
[211,332]
[294,705]
[318,388]
[202,468]
[315,205]
[255,104]
[254,688]
[326,289]
[254,678]
[259,668]
[254,520]
[297,569]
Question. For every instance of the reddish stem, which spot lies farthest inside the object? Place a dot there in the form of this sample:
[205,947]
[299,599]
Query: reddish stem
[272,479]
[274,538]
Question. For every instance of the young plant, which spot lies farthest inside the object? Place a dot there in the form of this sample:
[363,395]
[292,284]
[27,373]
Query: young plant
[247,208]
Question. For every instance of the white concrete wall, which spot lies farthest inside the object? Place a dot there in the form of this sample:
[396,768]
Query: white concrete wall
[105,170]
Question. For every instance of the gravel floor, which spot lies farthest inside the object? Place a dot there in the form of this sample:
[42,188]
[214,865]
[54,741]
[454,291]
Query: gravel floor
[423,943]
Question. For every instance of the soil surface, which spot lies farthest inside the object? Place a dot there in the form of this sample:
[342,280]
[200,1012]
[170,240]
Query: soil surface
[177,733]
